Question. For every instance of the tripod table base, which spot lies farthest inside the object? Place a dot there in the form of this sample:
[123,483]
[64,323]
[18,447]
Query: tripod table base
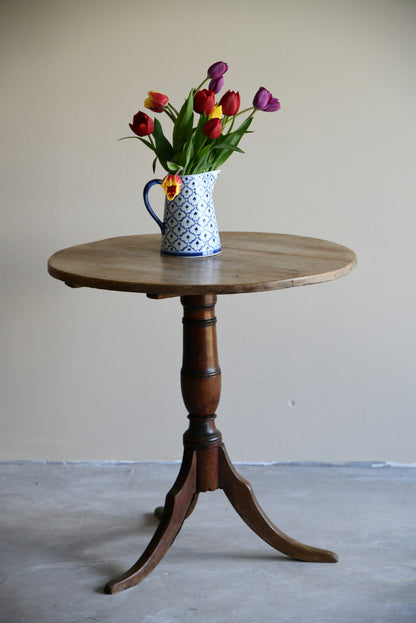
[181,500]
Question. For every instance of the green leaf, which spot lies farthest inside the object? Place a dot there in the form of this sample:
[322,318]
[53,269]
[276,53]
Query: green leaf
[233,138]
[228,146]
[163,150]
[148,143]
[173,167]
[232,141]
[189,152]
[182,130]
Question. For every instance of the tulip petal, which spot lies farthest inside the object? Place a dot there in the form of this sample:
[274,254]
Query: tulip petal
[212,128]
[217,112]
[142,124]
[156,101]
[217,84]
[216,70]
[204,101]
[230,103]
[264,100]
[273,105]
[172,185]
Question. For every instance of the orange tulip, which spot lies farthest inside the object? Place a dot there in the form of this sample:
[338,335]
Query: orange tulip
[156,101]
[172,185]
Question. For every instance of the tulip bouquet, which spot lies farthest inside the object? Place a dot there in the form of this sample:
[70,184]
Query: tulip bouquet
[203,143]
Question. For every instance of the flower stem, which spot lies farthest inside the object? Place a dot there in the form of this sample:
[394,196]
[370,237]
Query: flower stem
[172,109]
[202,83]
[232,119]
[246,110]
[171,114]
[227,121]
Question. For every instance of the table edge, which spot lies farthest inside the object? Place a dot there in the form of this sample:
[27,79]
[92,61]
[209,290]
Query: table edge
[79,281]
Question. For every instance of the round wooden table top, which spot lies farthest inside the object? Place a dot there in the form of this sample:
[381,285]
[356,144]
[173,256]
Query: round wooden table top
[249,262]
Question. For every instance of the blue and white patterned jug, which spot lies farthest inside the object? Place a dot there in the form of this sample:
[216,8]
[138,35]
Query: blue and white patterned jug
[189,227]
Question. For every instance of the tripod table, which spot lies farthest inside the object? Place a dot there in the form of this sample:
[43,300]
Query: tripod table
[249,262]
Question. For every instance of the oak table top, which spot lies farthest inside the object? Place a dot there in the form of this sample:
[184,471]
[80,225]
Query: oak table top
[249,262]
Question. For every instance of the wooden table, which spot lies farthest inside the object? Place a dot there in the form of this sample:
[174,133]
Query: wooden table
[249,262]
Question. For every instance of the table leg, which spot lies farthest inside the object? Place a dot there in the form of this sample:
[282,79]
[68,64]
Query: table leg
[205,465]
[159,509]
[177,504]
[239,492]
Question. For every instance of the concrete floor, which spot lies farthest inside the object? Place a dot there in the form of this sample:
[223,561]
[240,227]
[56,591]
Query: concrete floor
[67,528]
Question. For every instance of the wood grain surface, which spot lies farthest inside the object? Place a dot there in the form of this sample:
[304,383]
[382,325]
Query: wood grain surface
[249,262]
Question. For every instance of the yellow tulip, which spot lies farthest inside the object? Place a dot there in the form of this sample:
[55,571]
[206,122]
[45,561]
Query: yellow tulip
[217,112]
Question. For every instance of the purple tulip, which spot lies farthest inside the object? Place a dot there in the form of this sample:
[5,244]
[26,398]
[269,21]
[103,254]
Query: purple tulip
[217,70]
[216,84]
[264,100]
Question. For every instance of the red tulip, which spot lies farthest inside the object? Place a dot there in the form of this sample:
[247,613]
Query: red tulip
[212,128]
[230,103]
[204,101]
[142,124]
[156,101]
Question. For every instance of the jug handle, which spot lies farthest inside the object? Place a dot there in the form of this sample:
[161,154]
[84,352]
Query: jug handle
[148,206]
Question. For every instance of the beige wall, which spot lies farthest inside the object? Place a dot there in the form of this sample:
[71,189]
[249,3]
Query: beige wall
[94,375]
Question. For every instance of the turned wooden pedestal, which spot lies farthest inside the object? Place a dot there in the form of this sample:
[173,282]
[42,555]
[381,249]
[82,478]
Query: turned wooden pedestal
[248,263]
